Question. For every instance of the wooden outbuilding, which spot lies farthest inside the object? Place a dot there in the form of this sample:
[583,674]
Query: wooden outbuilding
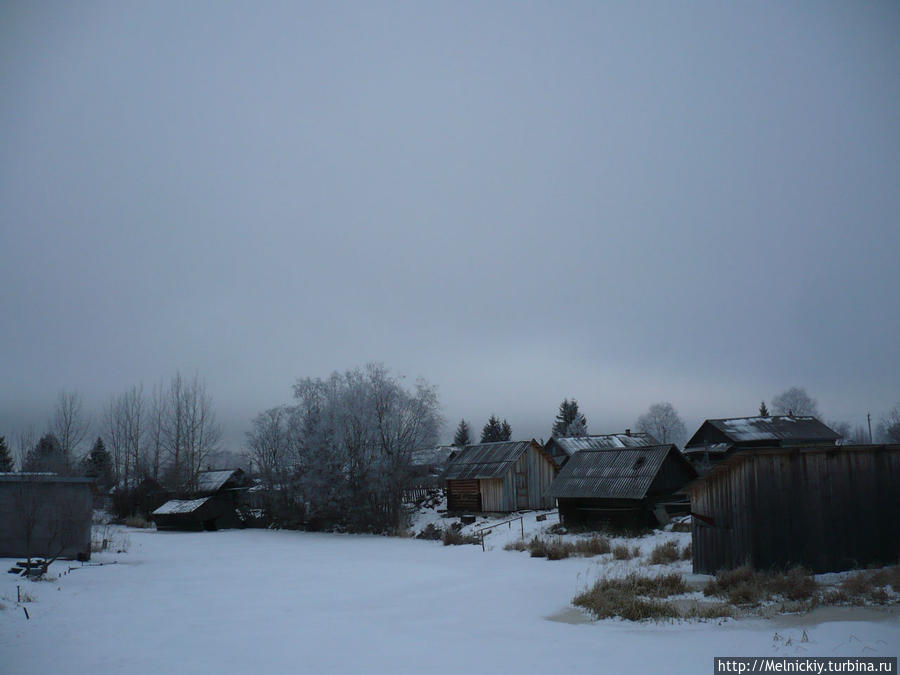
[212,506]
[500,477]
[561,448]
[634,487]
[828,508]
[717,440]
[46,515]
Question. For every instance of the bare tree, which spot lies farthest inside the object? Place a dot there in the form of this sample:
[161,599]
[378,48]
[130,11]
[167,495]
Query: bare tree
[270,445]
[795,401]
[663,423]
[26,440]
[156,421]
[189,430]
[70,425]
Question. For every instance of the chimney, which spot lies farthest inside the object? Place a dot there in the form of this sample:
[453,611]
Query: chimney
[628,432]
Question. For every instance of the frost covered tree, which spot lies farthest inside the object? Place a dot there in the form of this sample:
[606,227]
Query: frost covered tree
[795,401]
[763,410]
[352,438]
[6,460]
[190,431]
[461,438]
[125,426]
[495,430]
[569,420]
[663,423]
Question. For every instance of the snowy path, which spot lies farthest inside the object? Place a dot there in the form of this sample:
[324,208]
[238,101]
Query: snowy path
[256,600]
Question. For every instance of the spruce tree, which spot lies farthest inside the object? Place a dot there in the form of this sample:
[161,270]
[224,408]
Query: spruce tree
[46,456]
[569,421]
[763,410]
[495,430]
[6,460]
[461,439]
[98,464]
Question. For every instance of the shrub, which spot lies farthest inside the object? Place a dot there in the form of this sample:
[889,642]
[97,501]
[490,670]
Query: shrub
[430,533]
[596,545]
[628,598]
[453,537]
[622,552]
[664,553]
[743,586]
[795,584]
[686,552]
[719,610]
[517,545]
[870,585]
[537,547]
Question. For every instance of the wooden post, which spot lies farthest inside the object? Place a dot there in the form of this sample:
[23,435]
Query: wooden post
[18,594]
[482,540]
[25,609]
[522,523]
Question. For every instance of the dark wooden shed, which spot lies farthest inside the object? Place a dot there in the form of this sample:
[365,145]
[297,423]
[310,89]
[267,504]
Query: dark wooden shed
[212,506]
[828,508]
[623,487]
[502,477]
[718,439]
[45,515]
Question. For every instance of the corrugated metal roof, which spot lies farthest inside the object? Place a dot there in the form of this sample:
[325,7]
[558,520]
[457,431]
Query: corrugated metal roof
[430,456]
[180,506]
[573,444]
[212,481]
[776,428]
[486,460]
[611,473]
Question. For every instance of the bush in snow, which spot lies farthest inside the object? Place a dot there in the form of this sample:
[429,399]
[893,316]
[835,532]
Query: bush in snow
[664,553]
[634,597]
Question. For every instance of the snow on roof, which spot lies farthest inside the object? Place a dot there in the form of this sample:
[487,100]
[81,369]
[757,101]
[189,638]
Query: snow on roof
[774,428]
[429,456]
[180,506]
[212,481]
[573,444]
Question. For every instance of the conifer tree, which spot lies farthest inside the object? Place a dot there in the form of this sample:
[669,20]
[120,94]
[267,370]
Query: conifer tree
[461,439]
[98,464]
[495,430]
[6,460]
[763,410]
[569,421]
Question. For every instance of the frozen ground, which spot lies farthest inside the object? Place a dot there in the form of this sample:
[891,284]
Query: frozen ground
[267,601]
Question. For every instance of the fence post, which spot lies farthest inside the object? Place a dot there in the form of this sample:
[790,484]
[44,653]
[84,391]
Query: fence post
[522,523]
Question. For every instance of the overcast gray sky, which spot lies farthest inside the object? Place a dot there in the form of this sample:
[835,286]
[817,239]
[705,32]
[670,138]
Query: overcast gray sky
[618,202]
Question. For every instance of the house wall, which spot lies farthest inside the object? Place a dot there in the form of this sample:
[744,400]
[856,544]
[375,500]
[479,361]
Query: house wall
[463,495]
[541,471]
[57,515]
[494,494]
[828,510]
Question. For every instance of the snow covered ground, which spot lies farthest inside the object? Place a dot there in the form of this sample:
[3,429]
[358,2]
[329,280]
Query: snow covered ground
[278,601]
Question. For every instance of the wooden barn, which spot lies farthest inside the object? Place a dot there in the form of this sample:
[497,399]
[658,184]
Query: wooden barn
[716,440]
[502,477]
[632,487]
[828,508]
[212,506]
[45,515]
[561,448]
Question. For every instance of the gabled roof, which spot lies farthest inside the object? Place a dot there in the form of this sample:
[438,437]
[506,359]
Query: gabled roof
[572,444]
[765,429]
[212,481]
[486,460]
[180,506]
[624,473]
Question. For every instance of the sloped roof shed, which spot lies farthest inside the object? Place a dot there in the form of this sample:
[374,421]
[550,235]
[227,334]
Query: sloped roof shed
[561,448]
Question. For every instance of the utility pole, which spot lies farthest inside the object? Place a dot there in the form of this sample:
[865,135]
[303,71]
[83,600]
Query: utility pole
[869,420]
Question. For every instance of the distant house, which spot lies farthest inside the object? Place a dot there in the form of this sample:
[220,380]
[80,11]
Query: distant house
[46,515]
[560,449]
[504,476]
[828,508]
[427,465]
[717,439]
[623,487]
[213,506]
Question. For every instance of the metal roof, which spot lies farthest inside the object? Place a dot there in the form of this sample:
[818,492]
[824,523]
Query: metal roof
[180,506]
[429,456]
[624,473]
[572,444]
[776,428]
[212,481]
[486,460]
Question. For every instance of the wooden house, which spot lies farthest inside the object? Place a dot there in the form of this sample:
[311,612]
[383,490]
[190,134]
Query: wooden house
[561,448]
[631,487]
[46,515]
[828,508]
[716,440]
[212,506]
[502,477]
